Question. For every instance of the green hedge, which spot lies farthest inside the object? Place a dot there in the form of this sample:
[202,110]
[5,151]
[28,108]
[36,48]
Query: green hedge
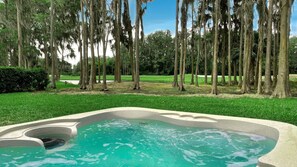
[20,80]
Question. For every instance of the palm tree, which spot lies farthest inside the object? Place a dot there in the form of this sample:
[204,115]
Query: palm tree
[261,6]
[138,21]
[137,24]
[128,30]
[205,20]
[20,39]
[229,42]
[241,16]
[184,20]
[53,54]
[117,13]
[282,89]
[199,43]
[248,43]
[268,50]
[93,64]
[84,62]
[175,80]
[214,88]
[105,34]
[193,48]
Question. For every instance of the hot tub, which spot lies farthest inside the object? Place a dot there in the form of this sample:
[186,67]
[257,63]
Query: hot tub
[66,128]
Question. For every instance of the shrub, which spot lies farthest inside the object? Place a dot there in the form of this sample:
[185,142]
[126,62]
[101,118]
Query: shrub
[20,80]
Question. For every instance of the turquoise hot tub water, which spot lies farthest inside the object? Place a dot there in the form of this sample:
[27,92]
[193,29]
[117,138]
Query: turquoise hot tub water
[148,143]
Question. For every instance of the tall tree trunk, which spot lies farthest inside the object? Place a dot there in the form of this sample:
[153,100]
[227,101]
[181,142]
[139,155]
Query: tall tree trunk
[268,50]
[199,51]
[235,72]
[137,25]
[118,6]
[224,59]
[276,49]
[80,58]
[184,11]
[93,65]
[175,80]
[46,56]
[83,70]
[99,64]
[104,43]
[20,38]
[229,43]
[119,43]
[288,41]
[131,51]
[248,42]
[241,45]
[192,47]
[261,11]
[57,72]
[62,63]
[53,54]
[205,55]
[282,89]
[214,88]
[128,28]
[86,51]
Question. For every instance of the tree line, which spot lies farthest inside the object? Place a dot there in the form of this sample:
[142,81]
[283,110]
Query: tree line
[221,32]
[157,57]
[230,26]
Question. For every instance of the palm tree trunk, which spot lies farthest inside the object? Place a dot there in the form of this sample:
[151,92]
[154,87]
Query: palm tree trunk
[276,49]
[46,56]
[235,72]
[199,50]
[240,47]
[136,79]
[214,88]
[104,43]
[86,52]
[268,50]
[20,39]
[99,64]
[93,65]
[261,10]
[247,45]
[223,59]
[128,28]
[117,41]
[229,43]
[175,80]
[83,62]
[184,11]
[205,55]
[282,87]
[131,51]
[53,78]
[192,47]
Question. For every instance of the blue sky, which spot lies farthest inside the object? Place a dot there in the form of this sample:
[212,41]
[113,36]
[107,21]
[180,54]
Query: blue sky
[160,15]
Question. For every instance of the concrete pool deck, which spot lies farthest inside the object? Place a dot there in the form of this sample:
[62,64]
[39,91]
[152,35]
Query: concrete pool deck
[283,155]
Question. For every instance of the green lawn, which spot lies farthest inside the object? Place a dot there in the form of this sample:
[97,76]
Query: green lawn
[24,107]
[63,85]
[69,99]
[143,78]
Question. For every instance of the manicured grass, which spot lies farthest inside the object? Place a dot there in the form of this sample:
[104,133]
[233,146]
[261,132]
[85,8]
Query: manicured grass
[144,78]
[63,85]
[25,107]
